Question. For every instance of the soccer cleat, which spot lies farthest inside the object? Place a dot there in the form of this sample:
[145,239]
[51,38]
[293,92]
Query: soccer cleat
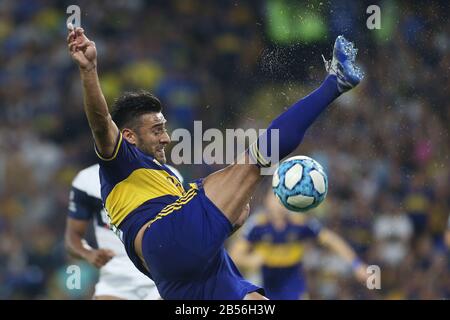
[343,64]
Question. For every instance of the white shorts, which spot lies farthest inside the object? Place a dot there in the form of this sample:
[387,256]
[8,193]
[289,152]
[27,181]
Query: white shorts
[120,278]
[103,288]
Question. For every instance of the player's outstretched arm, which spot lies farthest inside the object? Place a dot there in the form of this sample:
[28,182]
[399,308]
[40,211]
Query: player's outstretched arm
[338,245]
[84,53]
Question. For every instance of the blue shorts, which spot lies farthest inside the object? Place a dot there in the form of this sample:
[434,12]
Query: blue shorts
[285,283]
[184,250]
[296,290]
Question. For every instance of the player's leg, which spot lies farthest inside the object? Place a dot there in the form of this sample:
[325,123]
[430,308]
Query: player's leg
[231,188]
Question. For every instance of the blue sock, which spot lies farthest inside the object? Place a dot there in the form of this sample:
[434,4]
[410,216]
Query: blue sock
[293,123]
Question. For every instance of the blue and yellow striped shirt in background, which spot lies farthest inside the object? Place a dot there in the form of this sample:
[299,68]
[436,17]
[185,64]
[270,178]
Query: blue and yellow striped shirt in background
[282,252]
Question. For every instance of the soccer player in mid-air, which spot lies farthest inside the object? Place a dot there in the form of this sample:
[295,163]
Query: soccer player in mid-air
[273,242]
[177,236]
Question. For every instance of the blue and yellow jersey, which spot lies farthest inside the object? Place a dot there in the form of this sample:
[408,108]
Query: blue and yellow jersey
[134,183]
[183,247]
[282,252]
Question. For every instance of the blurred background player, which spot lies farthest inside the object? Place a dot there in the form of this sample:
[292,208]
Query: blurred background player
[447,234]
[119,278]
[274,241]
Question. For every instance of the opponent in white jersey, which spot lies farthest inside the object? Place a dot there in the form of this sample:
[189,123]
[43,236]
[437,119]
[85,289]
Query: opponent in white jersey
[119,278]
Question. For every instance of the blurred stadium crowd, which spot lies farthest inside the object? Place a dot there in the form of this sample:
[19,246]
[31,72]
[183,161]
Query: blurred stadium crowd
[234,64]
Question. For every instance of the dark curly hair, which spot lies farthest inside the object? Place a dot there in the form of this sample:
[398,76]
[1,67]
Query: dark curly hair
[128,108]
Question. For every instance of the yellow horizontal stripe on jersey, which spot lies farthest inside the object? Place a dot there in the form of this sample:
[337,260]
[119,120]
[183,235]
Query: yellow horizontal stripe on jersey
[140,186]
[177,205]
[279,255]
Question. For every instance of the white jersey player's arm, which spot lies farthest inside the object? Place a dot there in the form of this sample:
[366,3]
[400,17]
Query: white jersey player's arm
[82,208]
[74,240]
[78,247]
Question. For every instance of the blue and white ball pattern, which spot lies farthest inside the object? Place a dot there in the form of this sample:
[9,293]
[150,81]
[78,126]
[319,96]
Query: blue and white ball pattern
[300,183]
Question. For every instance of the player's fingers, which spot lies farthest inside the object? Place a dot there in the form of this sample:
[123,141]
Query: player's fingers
[101,261]
[83,44]
[73,49]
[106,254]
[94,261]
[361,274]
[70,36]
[105,260]
[80,33]
[101,254]
[72,46]
[110,253]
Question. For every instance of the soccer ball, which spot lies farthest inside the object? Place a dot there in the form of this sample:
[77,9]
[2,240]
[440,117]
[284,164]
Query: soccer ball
[300,183]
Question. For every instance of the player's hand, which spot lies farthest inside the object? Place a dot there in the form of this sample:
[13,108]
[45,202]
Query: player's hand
[361,273]
[447,238]
[81,49]
[99,257]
